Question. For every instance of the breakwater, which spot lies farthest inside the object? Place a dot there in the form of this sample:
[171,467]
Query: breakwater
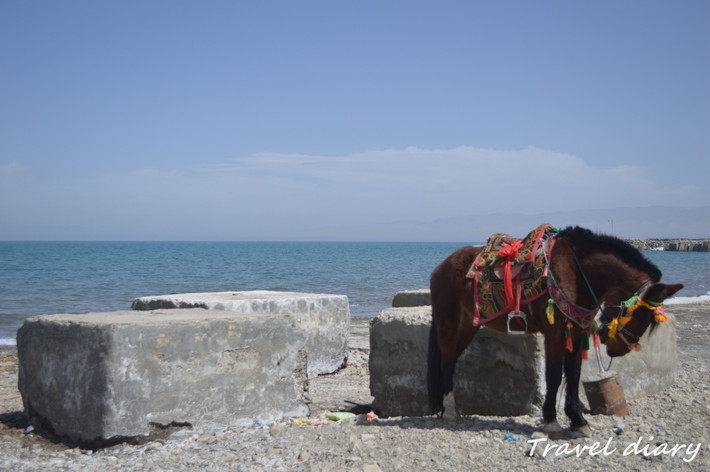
[681,245]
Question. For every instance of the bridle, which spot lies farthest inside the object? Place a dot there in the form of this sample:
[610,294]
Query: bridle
[618,325]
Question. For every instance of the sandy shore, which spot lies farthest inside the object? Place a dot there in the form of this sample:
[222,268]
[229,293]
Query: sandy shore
[670,431]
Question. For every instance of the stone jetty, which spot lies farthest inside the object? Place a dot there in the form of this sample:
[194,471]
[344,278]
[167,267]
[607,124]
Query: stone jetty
[680,245]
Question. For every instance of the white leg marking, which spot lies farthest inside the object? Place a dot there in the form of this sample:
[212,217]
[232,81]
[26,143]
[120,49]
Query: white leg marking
[450,414]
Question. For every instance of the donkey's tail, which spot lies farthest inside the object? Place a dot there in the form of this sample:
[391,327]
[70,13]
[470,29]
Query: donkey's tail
[435,384]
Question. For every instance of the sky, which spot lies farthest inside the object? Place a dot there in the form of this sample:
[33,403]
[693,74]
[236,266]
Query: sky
[352,120]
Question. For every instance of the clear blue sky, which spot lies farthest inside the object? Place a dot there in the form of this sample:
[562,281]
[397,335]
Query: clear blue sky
[306,119]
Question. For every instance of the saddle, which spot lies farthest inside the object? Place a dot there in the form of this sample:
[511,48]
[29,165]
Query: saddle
[509,273]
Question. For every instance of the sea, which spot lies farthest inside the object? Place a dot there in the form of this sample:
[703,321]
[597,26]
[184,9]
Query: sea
[79,277]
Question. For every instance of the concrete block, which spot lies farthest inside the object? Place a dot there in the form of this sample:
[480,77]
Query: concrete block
[102,376]
[324,318]
[501,375]
[498,374]
[398,361]
[651,369]
[409,298]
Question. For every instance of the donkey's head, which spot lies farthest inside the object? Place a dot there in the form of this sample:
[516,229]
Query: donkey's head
[621,335]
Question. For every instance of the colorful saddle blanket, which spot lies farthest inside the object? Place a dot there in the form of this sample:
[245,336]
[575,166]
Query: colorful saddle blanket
[509,273]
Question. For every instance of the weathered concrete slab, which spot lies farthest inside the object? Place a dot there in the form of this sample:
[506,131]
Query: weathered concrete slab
[498,374]
[409,298]
[100,376]
[324,318]
[651,369]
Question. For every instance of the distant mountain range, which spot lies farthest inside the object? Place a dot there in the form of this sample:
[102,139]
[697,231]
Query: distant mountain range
[645,222]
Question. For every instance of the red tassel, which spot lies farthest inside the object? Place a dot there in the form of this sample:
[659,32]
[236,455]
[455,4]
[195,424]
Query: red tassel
[508,285]
[509,252]
[596,339]
[584,355]
[568,335]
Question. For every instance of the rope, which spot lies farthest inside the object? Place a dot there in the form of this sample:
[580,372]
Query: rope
[597,349]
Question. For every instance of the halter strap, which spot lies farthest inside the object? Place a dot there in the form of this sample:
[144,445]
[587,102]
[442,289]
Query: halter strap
[589,286]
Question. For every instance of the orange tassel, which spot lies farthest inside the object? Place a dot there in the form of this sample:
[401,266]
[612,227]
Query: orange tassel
[584,355]
[596,339]
[568,335]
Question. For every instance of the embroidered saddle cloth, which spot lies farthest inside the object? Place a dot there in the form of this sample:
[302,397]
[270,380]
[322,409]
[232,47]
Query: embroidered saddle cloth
[509,273]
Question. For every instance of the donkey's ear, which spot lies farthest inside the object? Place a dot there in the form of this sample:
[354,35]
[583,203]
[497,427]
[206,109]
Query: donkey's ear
[669,290]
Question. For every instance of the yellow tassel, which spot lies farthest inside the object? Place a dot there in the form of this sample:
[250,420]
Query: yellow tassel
[550,311]
[613,326]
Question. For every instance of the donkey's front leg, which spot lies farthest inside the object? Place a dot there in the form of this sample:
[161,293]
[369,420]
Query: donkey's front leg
[553,378]
[573,406]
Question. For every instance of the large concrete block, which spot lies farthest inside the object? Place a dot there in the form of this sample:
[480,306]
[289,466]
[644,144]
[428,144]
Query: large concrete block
[501,375]
[398,361]
[100,376]
[498,374]
[410,298]
[324,318]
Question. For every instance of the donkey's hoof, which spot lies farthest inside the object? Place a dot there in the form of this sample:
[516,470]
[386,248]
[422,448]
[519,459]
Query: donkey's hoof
[450,418]
[583,431]
[553,430]
[551,427]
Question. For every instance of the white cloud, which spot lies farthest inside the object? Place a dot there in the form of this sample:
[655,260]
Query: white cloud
[10,169]
[469,180]
[282,196]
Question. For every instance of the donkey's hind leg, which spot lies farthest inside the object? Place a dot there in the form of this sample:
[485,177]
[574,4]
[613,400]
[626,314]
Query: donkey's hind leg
[450,413]
[452,327]
[442,361]
[452,346]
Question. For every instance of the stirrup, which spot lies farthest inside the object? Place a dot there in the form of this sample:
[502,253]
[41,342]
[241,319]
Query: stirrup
[520,316]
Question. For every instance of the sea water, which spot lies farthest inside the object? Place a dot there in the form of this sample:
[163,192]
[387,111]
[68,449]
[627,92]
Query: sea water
[79,277]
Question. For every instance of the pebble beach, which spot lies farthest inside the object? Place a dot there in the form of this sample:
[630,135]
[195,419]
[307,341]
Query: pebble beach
[666,431]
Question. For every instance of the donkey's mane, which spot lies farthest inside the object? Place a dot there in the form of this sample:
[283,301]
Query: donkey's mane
[587,241]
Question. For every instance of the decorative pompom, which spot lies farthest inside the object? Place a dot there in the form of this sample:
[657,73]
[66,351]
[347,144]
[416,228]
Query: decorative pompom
[613,326]
[568,335]
[550,311]
[659,316]
[585,341]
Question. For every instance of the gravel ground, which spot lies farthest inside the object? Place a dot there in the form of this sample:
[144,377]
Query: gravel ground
[669,431]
